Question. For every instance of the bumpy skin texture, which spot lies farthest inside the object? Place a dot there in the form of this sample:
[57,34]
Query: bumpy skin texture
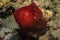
[30,16]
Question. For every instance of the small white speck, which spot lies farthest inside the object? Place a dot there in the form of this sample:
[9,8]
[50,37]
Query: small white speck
[34,17]
[26,14]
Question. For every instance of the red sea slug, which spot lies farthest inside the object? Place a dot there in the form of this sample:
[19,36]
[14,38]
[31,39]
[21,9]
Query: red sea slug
[29,16]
